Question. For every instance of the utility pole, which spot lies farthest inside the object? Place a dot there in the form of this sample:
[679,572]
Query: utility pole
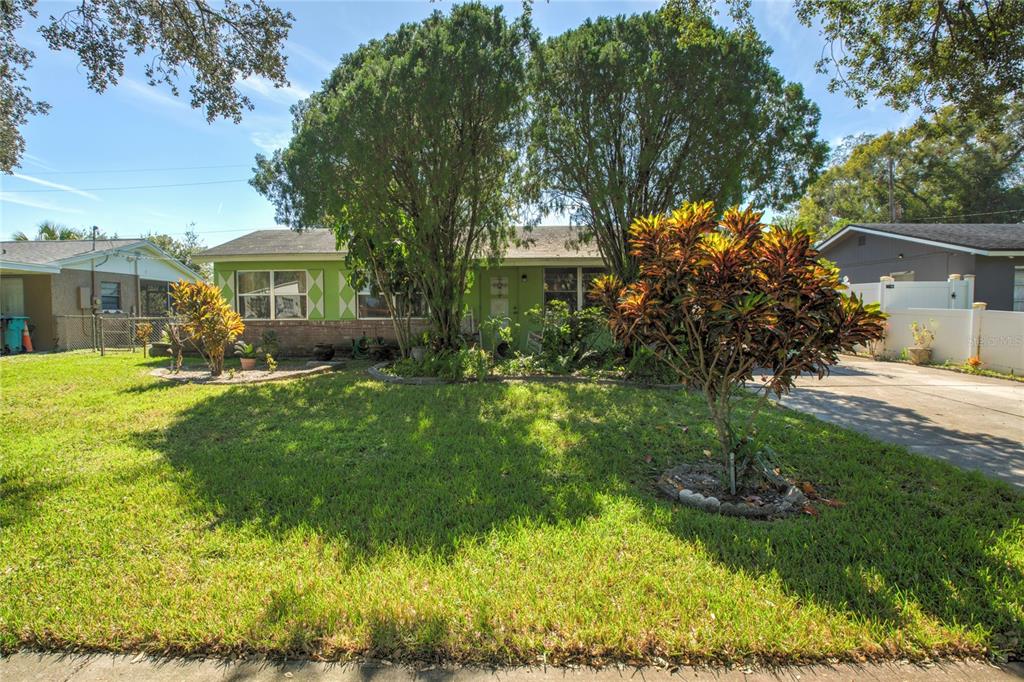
[892,199]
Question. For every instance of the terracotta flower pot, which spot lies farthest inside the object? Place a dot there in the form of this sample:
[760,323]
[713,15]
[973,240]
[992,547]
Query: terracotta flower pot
[919,356]
[248,363]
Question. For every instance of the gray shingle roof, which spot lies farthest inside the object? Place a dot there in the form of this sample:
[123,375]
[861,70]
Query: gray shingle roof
[275,242]
[547,241]
[541,243]
[49,252]
[981,236]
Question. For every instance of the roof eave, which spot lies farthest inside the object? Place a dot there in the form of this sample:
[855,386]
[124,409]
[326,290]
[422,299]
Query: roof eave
[822,245]
[10,267]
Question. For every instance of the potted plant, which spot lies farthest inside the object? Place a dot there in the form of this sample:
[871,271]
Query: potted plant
[921,352]
[247,354]
[323,351]
[419,352]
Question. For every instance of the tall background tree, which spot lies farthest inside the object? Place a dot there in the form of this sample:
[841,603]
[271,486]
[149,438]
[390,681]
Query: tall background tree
[948,168]
[635,114]
[49,230]
[215,44]
[184,249]
[416,139]
[922,53]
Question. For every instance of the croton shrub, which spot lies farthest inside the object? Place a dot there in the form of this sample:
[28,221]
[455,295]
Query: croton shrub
[722,299]
[207,320]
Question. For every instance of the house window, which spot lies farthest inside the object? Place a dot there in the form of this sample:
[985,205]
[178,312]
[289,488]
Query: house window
[110,295]
[562,284]
[370,303]
[272,294]
[156,298]
[571,285]
[12,296]
[1018,288]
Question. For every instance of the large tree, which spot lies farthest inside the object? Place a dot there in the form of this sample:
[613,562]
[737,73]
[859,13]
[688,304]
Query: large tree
[922,53]
[416,138]
[184,249]
[215,45]
[635,114]
[949,167]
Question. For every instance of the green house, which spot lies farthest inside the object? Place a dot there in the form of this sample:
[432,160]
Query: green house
[296,284]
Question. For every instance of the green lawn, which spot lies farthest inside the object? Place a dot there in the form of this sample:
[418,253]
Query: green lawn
[334,516]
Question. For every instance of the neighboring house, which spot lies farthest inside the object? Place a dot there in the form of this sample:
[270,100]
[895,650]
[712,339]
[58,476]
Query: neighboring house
[46,280]
[296,284]
[992,252]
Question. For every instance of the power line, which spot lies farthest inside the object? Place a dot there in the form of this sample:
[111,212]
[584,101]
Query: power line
[968,215]
[110,189]
[141,170]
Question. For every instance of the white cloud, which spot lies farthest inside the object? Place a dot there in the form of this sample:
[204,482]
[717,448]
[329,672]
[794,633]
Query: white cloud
[151,95]
[310,56]
[57,186]
[32,203]
[38,161]
[289,94]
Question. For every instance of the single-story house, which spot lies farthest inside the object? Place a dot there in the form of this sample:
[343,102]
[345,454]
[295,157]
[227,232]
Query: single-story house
[992,252]
[296,284]
[48,280]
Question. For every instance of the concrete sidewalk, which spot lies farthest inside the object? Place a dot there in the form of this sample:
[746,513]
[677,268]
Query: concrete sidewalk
[103,667]
[971,421]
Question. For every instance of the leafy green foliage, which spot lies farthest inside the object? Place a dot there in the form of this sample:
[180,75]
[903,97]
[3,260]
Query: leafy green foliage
[570,340]
[184,249]
[969,53]
[718,299]
[207,320]
[634,113]
[48,230]
[218,45]
[415,143]
[953,167]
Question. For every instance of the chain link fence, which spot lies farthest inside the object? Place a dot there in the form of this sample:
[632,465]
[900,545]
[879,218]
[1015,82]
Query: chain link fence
[104,333]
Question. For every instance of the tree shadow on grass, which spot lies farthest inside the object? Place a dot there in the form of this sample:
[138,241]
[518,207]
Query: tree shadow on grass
[429,468]
[421,467]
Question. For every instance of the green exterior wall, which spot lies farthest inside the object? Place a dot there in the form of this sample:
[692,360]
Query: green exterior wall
[331,297]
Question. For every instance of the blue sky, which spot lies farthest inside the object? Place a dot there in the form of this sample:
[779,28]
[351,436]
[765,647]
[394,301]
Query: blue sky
[95,158]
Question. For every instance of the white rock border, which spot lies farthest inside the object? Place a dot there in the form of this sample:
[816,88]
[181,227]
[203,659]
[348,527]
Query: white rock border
[241,378]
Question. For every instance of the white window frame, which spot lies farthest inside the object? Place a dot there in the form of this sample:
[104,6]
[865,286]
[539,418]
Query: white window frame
[1018,274]
[365,291]
[120,297]
[270,293]
[581,293]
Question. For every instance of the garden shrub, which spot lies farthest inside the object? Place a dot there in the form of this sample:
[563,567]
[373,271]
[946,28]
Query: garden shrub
[208,321]
[572,340]
[716,300]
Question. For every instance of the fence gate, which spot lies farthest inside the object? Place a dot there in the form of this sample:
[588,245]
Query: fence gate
[107,332]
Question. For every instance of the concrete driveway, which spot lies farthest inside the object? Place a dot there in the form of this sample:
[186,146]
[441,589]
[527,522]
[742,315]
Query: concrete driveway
[972,422]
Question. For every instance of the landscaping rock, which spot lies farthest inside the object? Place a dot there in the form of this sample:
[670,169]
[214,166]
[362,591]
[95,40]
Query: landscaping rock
[699,485]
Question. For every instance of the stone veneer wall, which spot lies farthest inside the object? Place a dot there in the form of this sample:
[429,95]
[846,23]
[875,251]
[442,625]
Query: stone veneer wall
[297,337]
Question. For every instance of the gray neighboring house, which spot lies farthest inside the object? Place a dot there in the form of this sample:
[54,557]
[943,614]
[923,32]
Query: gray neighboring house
[992,252]
[44,280]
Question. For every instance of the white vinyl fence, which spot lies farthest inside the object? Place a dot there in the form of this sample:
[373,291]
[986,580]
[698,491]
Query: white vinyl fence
[963,329]
[996,337]
[954,293]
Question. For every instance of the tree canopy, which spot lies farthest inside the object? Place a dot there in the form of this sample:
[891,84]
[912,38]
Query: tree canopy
[948,167]
[635,114]
[923,53]
[216,45]
[416,138]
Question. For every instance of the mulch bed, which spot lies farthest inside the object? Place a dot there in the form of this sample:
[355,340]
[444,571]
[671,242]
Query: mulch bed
[699,485]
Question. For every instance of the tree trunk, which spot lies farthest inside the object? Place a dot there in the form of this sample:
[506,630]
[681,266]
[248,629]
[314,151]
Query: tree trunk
[719,410]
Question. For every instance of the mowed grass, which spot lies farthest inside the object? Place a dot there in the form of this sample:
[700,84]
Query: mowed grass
[335,516]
